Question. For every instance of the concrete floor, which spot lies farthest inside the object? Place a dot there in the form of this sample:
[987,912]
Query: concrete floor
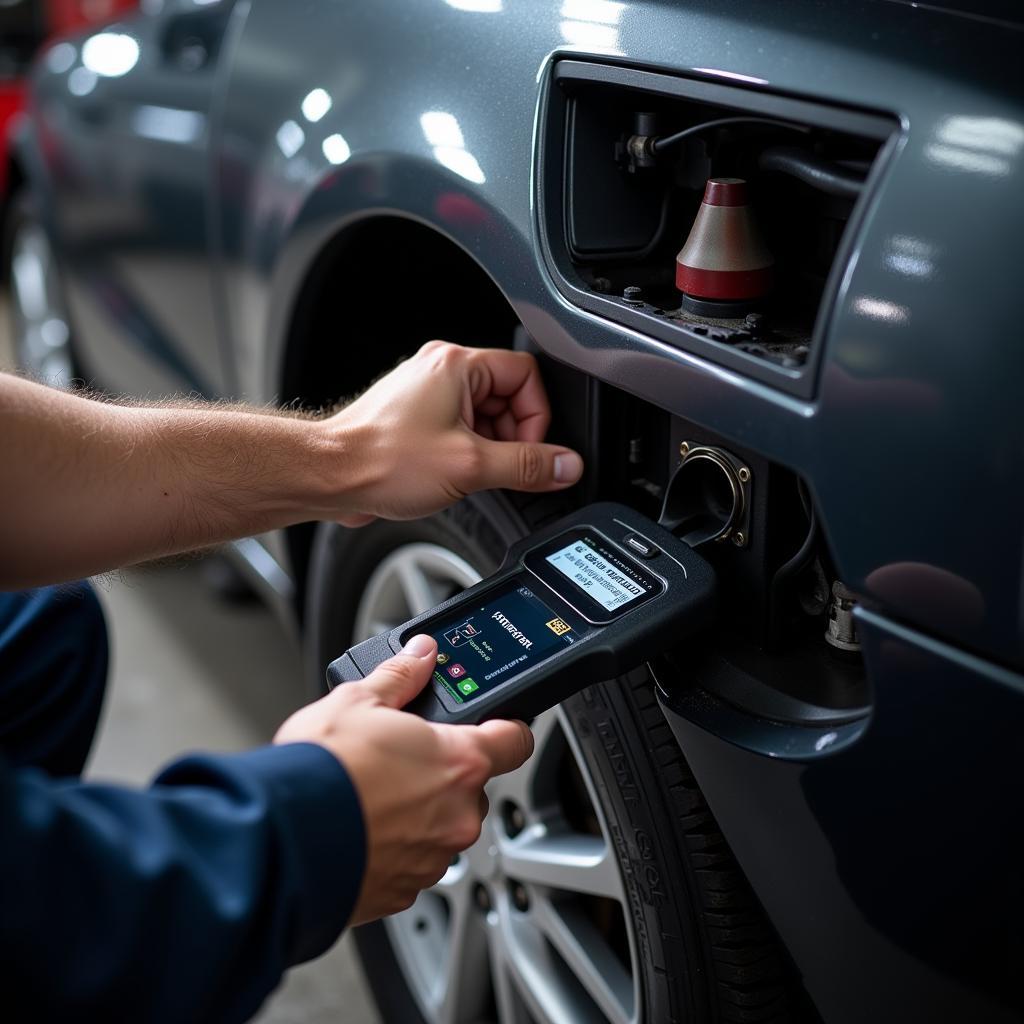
[191,672]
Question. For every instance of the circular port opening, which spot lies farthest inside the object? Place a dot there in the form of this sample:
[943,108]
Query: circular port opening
[706,499]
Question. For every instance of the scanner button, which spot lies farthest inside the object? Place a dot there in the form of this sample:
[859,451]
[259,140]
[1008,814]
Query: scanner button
[641,546]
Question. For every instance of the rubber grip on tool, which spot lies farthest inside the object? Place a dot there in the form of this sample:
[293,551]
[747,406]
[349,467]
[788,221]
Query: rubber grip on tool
[342,670]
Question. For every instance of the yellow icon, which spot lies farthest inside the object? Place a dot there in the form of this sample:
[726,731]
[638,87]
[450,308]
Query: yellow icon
[443,659]
[558,627]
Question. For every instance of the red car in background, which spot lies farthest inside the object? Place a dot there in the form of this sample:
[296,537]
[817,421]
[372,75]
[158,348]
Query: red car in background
[24,26]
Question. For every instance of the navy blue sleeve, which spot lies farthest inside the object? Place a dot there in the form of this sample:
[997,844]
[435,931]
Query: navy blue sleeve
[184,902]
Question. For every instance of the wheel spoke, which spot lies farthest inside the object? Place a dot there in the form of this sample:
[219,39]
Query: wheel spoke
[462,985]
[416,588]
[540,978]
[521,787]
[571,862]
[589,958]
[506,996]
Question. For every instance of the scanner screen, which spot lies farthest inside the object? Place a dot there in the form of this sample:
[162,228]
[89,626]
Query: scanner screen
[485,645]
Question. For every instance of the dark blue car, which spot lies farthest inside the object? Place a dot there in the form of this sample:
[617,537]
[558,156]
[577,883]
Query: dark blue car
[768,256]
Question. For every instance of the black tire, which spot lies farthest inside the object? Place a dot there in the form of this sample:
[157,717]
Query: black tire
[711,953]
[706,950]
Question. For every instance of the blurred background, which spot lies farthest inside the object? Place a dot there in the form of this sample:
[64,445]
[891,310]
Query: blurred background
[194,670]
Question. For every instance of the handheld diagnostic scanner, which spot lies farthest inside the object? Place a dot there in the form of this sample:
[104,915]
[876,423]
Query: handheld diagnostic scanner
[585,599]
[588,598]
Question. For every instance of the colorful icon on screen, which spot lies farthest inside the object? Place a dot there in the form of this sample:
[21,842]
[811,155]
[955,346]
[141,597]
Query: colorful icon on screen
[461,634]
[443,659]
[456,671]
[468,686]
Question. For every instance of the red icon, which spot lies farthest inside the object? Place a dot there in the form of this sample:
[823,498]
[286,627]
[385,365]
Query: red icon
[456,671]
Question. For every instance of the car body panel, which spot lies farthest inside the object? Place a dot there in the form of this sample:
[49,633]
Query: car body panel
[914,278]
[861,851]
[139,286]
[891,866]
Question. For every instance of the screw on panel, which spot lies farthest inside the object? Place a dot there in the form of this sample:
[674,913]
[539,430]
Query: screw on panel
[632,293]
[739,539]
[684,449]
[743,474]
[757,323]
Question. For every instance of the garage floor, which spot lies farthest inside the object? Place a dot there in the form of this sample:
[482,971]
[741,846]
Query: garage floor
[191,672]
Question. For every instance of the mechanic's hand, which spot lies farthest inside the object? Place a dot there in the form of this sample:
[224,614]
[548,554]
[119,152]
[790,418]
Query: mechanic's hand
[447,422]
[420,784]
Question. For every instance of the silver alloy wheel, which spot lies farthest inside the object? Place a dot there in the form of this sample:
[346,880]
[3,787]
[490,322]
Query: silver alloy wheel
[42,335]
[411,580]
[523,924]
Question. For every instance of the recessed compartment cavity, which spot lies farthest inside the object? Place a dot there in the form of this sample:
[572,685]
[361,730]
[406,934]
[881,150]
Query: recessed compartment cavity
[715,218]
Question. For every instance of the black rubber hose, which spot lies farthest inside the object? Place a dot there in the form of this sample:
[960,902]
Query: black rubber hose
[660,145]
[812,170]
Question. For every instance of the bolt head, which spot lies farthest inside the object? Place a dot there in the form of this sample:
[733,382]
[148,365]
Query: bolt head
[482,898]
[632,293]
[744,474]
[684,449]
[513,818]
[520,897]
[739,539]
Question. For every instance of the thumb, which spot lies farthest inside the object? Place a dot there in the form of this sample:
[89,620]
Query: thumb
[522,466]
[396,681]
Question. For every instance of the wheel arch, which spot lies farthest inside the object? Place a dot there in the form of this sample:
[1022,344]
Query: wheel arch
[378,288]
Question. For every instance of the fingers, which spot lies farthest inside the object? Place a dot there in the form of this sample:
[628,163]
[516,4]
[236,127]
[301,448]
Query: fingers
[507,744]
[395,682]
[515,378]
[523,466]
[356,520]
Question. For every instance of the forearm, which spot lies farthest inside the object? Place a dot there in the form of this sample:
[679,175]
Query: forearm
[88,486]
[232,868]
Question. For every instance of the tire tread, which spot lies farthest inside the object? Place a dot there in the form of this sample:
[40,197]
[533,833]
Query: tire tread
[750,970]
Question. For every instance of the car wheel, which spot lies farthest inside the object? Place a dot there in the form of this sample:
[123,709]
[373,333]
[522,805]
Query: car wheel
[600,889]
[39,319]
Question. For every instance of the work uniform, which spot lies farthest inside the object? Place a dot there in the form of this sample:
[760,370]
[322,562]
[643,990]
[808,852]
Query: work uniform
[182,902]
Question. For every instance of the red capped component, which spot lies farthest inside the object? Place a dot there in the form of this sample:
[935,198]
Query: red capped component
[724,259]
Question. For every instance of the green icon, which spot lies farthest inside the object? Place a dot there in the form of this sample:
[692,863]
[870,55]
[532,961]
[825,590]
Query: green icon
[468,686]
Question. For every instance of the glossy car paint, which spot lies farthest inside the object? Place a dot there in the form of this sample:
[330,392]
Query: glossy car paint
[889,855]
[55,18]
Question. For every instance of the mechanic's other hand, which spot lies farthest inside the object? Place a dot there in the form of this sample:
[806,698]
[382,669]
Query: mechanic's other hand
[449,421]
[420,784]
